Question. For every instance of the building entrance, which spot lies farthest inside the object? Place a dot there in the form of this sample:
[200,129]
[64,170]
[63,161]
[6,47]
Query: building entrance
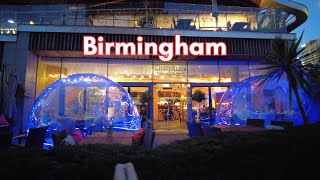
[170,106]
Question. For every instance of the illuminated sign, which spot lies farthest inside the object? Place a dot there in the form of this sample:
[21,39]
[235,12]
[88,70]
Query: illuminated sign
[170,70]
[165,51]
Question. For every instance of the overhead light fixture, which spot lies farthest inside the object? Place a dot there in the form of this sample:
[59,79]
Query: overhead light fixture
[10,21]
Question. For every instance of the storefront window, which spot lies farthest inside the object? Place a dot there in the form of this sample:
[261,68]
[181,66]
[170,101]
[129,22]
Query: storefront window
[136,93]
[170,105]
[233,70]
[201,110]
[172,71]
[76,66]
[216,95]
[48,72]
[254,68]
[203,71]
[130,70]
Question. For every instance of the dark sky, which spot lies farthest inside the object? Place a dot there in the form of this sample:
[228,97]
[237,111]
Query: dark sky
[311,27]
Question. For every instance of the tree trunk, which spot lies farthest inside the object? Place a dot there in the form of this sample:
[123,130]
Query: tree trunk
[303,112]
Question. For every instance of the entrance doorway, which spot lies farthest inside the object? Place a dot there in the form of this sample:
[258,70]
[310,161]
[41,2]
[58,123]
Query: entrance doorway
[170,106]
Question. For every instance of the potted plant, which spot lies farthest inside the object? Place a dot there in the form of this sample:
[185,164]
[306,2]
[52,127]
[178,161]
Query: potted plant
[198,96]
[109,124]
[145,99]
[147,21]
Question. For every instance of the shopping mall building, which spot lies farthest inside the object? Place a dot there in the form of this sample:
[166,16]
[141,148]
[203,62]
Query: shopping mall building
[44,43]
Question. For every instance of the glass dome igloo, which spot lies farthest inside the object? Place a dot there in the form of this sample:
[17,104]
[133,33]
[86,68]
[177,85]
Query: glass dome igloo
[83,100]
[270,101]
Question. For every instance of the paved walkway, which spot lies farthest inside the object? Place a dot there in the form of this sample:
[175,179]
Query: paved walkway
[165,136]
[169,136]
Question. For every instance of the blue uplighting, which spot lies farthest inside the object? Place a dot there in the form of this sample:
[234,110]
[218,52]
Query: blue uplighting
[81,101]
[270,102]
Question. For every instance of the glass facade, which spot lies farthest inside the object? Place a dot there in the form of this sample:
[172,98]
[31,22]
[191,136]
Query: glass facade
[170,15]
[147,71]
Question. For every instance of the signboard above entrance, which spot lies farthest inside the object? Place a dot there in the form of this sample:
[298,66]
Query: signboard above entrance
[93,46]
[170,70]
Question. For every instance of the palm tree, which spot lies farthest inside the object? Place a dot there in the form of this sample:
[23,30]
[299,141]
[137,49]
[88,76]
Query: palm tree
[286,61]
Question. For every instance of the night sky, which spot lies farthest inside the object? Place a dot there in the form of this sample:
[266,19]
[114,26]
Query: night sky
[311,27]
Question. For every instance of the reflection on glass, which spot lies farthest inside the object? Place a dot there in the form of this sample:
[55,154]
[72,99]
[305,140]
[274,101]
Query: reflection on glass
[201,110]
[170,106]
[136,93]
[203,71]
[130,70]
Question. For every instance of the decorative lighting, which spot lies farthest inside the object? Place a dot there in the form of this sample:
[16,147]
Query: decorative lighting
[31,22]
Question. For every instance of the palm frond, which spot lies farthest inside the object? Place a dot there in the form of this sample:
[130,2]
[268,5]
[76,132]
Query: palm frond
[269,67]
[294,46]
[267,76]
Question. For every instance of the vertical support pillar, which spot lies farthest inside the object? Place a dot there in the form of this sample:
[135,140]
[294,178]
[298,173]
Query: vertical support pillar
[106,105]
[84,101]
[235,74]
[210,106]
[189,101]
[151,104]
[62,96]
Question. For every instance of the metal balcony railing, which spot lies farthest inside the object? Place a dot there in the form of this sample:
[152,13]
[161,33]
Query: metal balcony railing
[166,16]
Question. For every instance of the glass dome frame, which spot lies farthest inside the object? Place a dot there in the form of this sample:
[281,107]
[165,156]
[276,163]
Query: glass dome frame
[81,91]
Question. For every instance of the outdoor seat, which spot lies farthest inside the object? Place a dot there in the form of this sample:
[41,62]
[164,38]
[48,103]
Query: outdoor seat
[284,124]
[59,136]
[34,139]
[194,129]
[184,24]
[255,122]
[239,26]
[210,130]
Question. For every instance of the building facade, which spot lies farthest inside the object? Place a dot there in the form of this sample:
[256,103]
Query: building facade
[44,43]
[313,48]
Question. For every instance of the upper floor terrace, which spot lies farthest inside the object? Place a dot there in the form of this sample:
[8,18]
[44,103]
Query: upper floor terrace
[167,15]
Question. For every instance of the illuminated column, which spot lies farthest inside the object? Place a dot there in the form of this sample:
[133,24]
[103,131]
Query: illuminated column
[235,74]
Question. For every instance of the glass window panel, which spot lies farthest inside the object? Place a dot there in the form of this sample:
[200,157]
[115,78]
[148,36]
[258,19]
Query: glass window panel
[201,109]
[136,93]
[170,108]
[48,72]
[203,71]
[216,95]
[172,71]
[95,101]
[130,70]
[74,106]
[254,68]
[77,66]
[233,70]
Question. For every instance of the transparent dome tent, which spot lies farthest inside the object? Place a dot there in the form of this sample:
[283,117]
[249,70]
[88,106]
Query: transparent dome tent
[82,101]
[270,101]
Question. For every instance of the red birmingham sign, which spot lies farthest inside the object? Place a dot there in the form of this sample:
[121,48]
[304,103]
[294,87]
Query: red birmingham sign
[165,51]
